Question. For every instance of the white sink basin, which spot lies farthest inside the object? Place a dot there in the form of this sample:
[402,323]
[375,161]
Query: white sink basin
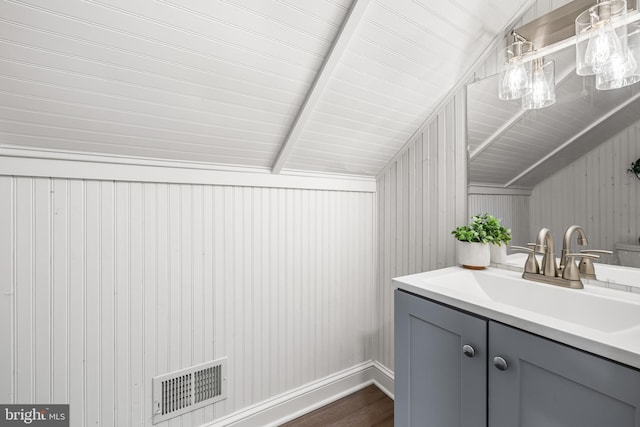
[597,308]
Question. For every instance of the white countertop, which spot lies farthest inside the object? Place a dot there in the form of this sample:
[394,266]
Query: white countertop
[589,332]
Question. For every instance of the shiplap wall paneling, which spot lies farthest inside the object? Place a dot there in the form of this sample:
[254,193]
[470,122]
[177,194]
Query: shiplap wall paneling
[419,203]
[7,307]
[108,284]
[421,198]
[512,210]
[595,192]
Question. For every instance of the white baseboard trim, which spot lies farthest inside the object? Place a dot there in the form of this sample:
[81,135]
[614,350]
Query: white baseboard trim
[383,378]
[297,402]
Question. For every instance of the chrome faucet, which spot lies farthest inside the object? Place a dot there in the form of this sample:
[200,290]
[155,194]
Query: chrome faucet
[544,245]
[566,243]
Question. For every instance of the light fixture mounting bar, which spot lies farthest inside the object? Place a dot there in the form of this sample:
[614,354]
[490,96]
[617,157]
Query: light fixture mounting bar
[558,24]
[518,37]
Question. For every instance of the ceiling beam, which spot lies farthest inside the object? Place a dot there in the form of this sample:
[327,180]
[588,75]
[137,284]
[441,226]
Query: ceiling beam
[319,84]
[497,134]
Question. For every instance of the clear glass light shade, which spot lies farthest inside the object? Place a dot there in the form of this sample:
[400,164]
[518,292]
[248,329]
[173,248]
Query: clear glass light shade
[543,86]
[623,70]
[515,78]
[601,37]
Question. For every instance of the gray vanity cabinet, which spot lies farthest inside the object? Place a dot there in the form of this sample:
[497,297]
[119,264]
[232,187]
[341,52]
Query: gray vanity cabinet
[511,378]
[550,384]
[436,384]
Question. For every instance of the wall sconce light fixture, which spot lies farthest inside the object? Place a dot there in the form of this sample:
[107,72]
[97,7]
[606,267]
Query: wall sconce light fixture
[533,81]
[515,79]
[607,46]
[543,86]
[602,46]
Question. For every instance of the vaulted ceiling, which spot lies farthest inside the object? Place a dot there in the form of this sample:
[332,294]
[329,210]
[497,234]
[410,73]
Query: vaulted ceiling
[328,86]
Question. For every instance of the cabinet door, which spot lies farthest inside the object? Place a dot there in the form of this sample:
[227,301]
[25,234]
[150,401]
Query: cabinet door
[549,384]
[436,384]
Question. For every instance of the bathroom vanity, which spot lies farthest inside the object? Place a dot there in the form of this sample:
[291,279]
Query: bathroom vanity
[487,348]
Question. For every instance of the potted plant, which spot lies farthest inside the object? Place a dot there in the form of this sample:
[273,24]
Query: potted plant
[472,244]
[474,241]
[635,168]
[500,236]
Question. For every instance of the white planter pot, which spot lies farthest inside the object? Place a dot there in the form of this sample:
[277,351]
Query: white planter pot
[473,255]
[498,253]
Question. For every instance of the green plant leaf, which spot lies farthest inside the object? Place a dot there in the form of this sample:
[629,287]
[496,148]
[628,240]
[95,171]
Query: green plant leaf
[483,228]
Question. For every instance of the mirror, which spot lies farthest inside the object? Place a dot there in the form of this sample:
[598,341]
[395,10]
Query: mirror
[561,165]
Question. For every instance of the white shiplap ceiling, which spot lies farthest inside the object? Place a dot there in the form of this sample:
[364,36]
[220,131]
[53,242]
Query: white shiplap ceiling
[333,86]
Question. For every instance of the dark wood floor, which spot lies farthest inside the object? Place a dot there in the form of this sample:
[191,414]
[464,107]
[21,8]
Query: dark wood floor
[368,407]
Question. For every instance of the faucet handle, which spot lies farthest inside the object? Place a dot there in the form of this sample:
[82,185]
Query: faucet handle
[587,269]
[596,251]
[531,265]
[570,271]
[582,255]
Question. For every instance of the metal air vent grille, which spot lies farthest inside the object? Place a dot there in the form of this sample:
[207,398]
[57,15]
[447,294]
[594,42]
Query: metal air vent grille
[188,389]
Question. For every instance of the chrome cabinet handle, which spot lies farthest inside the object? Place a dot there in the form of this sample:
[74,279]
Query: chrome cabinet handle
[468,350]
[500,363]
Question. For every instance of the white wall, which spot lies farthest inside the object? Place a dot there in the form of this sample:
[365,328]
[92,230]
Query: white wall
[105,284]
[421,198]
[595,192]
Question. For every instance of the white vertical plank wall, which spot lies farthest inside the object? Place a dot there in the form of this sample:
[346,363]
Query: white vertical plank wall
[106,284]
[421,198]
[595,192]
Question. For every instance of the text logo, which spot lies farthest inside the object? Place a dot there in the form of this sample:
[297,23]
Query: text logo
[34,415]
